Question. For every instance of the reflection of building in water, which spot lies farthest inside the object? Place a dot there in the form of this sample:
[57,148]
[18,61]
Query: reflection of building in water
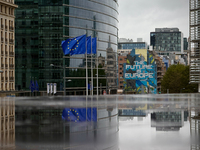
[42,127]
[167,121]
[111,69]
[7,124]
[131,112]
[194,118]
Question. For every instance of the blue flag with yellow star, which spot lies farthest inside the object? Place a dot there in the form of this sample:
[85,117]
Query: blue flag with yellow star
[75,45]
[79,114]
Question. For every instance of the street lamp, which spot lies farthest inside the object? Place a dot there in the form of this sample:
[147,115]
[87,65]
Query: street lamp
[52,65]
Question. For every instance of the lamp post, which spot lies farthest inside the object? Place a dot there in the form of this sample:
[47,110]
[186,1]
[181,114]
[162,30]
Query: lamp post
[52,65]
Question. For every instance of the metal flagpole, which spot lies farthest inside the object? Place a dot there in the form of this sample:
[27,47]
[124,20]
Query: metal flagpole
[97,66]
[91,70]
[86,68]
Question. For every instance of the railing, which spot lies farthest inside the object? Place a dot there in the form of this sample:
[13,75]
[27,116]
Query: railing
[2,65]
[11,66]
[6,65]
[6,27]
[2,40]
[6,40]
[11,28]
[6,52]
[2,78]
[6,78]
[2,26]
[2,53]
[11,41]
[11,53]
[11,78]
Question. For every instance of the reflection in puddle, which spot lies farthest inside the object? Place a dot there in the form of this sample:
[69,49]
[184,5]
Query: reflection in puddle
[105,122]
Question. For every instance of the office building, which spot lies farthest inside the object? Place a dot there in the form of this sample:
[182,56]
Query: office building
[7,62]
[166,40]
[42,25]
[194,46]
[132,45]
[185,44]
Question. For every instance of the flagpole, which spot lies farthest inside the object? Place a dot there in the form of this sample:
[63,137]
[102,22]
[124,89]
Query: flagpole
[91,70]
[30,84]
[97,66]
[86,68]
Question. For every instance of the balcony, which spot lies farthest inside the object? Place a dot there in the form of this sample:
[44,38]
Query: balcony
[2,26]
[1,40]
[11,28]
[2,53]
[11,66]
[6,40]
[6,52]
[6,79]
[11,41]
[6,27]
[11,79]
[2,78]
[11,53]
[6,65]
[2,65]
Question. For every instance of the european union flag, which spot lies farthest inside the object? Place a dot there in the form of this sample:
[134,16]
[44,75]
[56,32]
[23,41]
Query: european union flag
[75,45]
[94,45]
[79,114]
[36,86]
[32,86]
[89,46]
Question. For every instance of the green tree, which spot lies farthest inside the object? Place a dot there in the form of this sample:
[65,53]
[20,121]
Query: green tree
[176,79]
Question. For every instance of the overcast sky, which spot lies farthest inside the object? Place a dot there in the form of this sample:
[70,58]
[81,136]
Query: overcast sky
[137,18]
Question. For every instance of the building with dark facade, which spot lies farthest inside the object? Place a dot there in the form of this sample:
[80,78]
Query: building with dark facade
[166,40]
[40,28]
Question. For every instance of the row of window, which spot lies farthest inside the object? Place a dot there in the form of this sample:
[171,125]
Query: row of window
[6,10]
[11,49]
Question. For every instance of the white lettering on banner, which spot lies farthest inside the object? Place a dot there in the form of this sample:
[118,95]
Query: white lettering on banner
[138,75]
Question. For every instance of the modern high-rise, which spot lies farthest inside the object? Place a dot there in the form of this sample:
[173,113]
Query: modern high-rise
[166,40]
[40,28]
[7,62]
[194,45]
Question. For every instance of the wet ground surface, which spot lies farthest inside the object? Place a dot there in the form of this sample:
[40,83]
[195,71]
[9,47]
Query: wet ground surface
[125,122]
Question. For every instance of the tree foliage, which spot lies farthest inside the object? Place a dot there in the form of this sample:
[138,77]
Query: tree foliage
[176,79]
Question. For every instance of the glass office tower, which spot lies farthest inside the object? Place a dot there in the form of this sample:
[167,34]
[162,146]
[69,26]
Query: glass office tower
[166,40]
[41,25]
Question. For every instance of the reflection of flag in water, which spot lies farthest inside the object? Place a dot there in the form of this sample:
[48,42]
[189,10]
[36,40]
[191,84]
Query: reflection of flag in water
[79,114]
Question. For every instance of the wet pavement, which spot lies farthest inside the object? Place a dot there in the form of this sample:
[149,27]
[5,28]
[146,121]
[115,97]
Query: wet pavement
[112,122]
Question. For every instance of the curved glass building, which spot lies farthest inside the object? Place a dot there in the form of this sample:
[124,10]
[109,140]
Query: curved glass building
[40,28]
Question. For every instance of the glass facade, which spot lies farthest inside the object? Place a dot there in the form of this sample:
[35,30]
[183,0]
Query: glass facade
[41,25]
[131,45]
[166,41]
